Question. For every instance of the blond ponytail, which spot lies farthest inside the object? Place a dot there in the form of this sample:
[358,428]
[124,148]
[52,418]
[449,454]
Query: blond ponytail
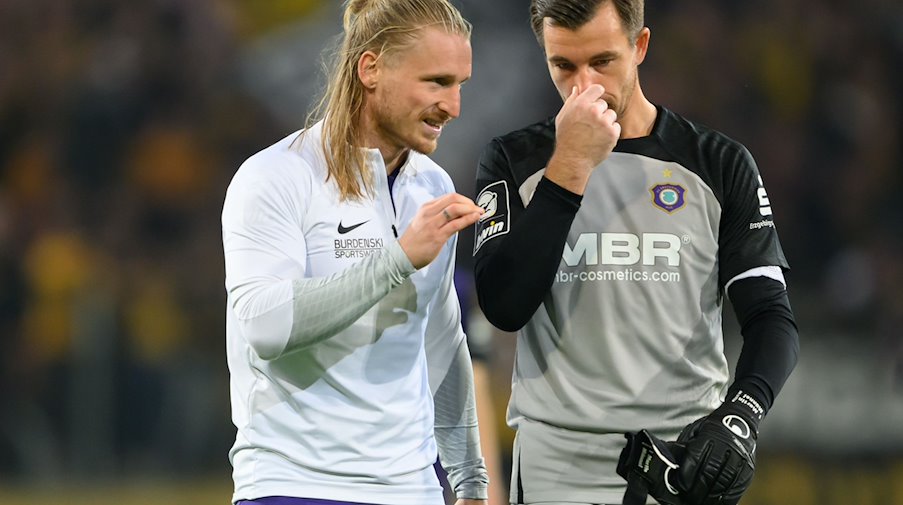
[381,26]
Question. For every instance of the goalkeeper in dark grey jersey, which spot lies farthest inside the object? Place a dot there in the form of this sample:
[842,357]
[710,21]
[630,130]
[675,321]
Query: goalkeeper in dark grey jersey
[612,235]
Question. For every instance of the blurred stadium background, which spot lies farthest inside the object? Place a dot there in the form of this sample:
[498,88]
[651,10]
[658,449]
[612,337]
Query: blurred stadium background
[121,123]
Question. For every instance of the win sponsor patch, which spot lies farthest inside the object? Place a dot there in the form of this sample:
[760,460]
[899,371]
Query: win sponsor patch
[496,221]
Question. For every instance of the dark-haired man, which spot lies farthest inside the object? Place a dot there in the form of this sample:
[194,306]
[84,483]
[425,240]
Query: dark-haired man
[612,234]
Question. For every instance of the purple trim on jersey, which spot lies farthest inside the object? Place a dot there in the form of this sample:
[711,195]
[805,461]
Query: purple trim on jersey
[392,177]
[288,500]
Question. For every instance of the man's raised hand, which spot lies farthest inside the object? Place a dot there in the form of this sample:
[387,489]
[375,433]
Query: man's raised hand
[435,222]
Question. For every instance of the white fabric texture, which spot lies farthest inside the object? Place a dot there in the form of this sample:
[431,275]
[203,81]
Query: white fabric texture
[334,341]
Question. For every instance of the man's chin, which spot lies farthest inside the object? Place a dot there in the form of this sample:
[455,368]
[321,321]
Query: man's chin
[425,147]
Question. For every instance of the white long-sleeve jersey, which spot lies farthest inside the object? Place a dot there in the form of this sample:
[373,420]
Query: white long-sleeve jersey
[336,346]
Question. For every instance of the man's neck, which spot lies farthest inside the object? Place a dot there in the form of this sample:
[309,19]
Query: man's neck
[639,118]
[393,156]
[394,160]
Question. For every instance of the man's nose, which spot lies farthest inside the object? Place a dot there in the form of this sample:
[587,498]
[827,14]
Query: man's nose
[451,102]
[583,79]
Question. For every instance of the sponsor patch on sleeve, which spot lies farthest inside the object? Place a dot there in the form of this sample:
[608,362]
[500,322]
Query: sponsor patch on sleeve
[497,220]
[764,209]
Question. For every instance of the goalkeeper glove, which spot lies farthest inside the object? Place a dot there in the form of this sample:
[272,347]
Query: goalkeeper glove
[720,453]
[647,463]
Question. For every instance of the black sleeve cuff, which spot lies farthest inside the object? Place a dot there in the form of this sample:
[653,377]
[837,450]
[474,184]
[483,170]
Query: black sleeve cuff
[558,194]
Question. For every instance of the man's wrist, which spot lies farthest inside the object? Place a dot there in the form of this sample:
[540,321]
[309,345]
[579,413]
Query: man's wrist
[472,492]
[741,413]
[745,401]
[474,486]
[569,172]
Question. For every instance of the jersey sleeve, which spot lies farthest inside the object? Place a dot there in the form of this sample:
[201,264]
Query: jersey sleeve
[517,248]
[771,343]
[279,309]
[451,382]
[262,241]
[748,242]
[748,237]
[497,195]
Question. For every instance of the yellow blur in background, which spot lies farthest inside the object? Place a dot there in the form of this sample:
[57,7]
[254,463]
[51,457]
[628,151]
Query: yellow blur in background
[121,124]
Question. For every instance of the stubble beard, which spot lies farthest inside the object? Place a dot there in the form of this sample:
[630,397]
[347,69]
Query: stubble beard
[392,128]
[627,91]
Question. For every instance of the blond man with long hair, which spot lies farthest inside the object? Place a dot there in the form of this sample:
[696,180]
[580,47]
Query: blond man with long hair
[349,368]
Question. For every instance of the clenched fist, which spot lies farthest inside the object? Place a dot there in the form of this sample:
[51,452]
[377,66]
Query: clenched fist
[586,131]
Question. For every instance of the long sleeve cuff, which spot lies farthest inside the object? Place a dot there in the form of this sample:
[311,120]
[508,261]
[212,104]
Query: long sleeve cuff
[457,432]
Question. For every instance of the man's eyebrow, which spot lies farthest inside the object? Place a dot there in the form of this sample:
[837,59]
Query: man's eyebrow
[558,59]
[604,55]
[444,77]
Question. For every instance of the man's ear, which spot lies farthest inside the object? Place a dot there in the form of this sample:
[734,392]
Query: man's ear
[642,44]
[368,69]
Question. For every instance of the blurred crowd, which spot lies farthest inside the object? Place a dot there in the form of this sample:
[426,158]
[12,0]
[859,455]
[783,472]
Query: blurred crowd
[812,88]
[121,124]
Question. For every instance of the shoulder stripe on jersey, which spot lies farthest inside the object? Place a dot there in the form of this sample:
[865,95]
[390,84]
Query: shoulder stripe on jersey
[772,272]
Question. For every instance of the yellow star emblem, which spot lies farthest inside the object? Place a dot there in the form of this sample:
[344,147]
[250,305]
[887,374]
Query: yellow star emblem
[667,173]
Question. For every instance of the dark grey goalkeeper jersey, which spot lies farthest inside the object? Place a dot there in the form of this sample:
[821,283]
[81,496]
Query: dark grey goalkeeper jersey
[623,327]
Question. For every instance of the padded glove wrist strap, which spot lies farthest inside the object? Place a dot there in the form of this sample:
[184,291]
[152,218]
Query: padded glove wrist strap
[740,413]
[647,463]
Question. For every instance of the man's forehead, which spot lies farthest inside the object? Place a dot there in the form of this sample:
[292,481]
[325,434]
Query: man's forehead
[437,35]
[605,20]
[437,49]
[594,37]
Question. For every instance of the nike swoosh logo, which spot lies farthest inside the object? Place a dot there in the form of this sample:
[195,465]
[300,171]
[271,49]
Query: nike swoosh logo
[345,229]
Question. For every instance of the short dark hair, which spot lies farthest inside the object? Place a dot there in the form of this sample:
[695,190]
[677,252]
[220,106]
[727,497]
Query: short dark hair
[572,14]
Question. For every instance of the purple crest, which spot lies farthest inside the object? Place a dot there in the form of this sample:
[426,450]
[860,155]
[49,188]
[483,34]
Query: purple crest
[668,197]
